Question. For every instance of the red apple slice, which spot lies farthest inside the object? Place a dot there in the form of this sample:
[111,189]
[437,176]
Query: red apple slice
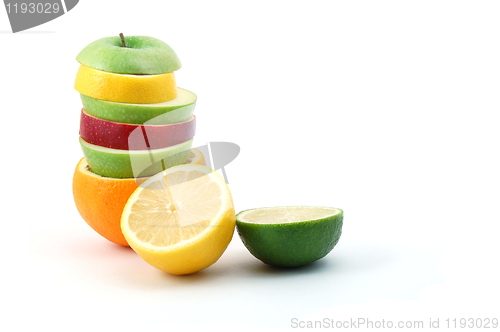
[124,136]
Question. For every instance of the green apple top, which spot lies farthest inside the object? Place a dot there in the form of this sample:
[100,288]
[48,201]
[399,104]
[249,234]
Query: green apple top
[141,55]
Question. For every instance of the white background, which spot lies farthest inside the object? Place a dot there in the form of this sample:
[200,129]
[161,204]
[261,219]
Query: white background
[385,109]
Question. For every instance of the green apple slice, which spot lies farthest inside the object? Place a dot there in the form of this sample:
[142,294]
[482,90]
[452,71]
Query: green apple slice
[136,163]
[172,111]
[142,56]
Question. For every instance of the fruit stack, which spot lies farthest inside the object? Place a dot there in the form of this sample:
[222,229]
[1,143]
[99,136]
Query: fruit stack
[135,122]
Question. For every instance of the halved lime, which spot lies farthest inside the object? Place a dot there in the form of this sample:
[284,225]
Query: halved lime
[290,236]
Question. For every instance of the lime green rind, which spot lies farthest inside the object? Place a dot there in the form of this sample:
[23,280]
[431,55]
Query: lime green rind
[291,245]
[143,55]
[174,111]
[122,163]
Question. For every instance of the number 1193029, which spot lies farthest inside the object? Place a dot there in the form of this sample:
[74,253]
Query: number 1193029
[477,323]
[31,8]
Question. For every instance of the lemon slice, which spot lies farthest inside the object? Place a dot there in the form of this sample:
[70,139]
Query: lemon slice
[196,157]
[180,220]
[125,88]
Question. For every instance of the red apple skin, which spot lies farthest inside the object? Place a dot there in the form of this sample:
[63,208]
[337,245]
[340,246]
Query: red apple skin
[124,136]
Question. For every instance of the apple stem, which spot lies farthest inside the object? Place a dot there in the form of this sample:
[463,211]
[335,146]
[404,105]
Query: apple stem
[123,40]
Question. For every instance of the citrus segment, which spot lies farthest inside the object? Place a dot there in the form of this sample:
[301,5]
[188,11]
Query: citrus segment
[196,157]
[125,88]
[180,220]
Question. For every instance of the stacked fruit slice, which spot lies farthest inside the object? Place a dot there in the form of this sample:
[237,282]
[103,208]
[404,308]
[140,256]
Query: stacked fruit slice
[135,122]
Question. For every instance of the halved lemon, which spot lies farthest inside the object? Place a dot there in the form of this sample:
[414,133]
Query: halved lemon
[181,220]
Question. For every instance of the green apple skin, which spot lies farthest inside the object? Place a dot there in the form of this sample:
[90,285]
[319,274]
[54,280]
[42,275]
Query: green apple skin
[177,110]
[142,56]
[122,163]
